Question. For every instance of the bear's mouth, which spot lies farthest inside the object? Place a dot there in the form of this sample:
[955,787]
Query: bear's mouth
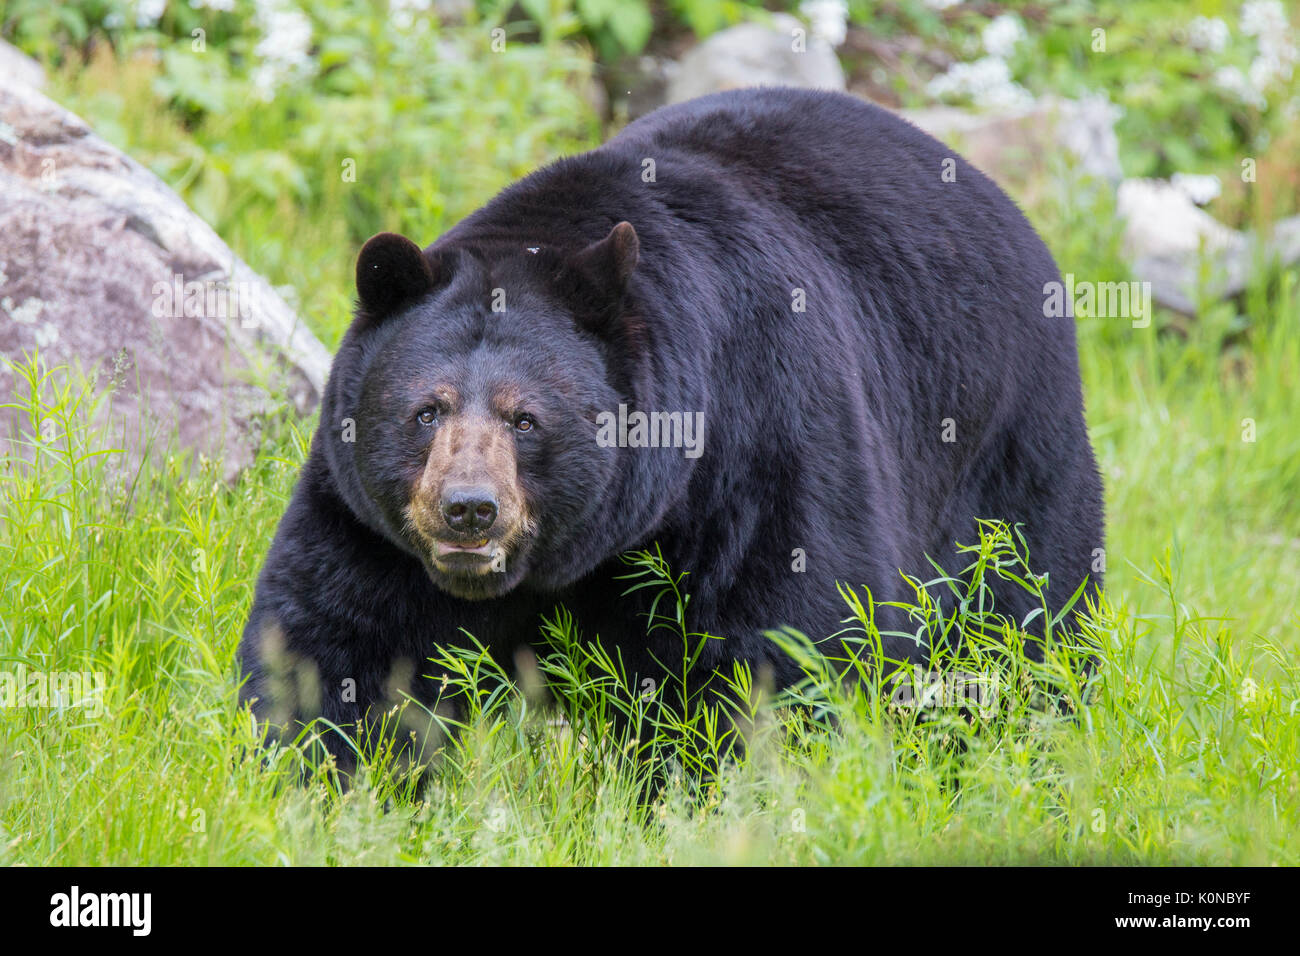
[477,548]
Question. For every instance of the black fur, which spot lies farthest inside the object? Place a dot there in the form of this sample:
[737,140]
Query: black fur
[924,302]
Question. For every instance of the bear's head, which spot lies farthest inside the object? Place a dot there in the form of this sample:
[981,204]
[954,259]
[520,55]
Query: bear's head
[472,377]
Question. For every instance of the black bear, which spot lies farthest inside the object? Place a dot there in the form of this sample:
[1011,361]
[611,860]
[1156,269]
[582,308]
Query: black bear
[761,324]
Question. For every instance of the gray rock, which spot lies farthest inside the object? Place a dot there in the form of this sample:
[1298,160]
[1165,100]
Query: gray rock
[1166,235]
[17,67]
[1010,146]
[753,54]
[103,267]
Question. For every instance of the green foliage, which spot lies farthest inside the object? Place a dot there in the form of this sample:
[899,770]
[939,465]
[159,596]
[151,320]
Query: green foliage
[623,27]
[1178,746]
[626,22]
[1197,95]
[296,162]
[1179,115]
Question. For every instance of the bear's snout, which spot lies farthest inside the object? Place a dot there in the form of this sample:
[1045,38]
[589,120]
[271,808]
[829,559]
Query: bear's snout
[469,508]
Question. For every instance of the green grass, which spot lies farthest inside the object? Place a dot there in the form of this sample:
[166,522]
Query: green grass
[1187,751]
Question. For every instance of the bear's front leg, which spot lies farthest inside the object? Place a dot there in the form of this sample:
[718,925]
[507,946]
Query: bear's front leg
[340,634]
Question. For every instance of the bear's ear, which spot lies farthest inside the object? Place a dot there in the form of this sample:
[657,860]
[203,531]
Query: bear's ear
[599,273]
[612,259]
[390,270]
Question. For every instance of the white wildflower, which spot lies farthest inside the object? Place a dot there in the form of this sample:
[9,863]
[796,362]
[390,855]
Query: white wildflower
[986,82]
[285,47]
[828,19]
[1263,18]
[1208,33]
[402,12]
[265,80]
[1276,55]
[287,38]
[149,12]
[1270,68]
[1231,80]
[1275,61]
[1001,34]
[1199,189]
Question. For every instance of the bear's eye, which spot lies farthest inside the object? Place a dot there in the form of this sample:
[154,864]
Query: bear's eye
[525,422]
[427,416]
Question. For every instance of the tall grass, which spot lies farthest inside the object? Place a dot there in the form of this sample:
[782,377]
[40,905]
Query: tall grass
[1183,745]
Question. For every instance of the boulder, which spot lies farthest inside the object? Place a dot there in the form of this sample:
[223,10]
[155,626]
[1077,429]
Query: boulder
[1166,235]
[1014,146]
[104,267]
[782,53]
[16,67]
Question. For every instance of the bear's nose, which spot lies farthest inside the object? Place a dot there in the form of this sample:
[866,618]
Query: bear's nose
[469,508]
